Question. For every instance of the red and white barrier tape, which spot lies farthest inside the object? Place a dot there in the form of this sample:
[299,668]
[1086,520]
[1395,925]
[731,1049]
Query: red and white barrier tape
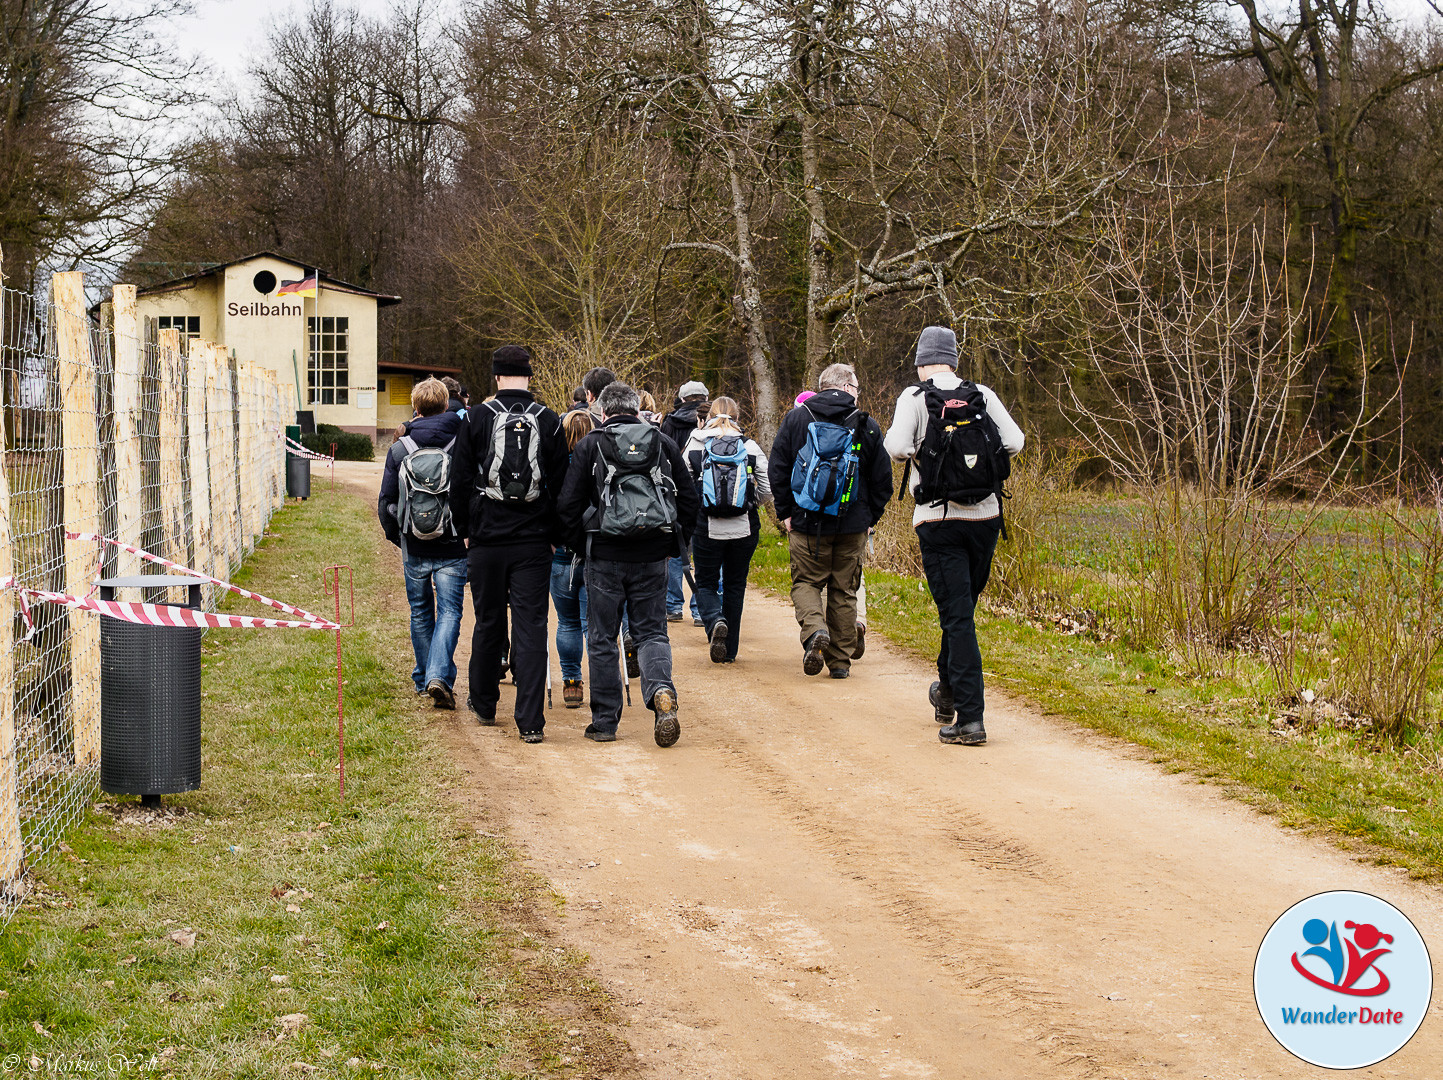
[166,614]
[305,452]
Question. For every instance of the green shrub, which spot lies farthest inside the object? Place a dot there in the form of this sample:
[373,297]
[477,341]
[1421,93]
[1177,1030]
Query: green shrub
[349,445]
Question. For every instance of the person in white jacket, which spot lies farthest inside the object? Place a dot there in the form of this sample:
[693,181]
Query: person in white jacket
[726,533]
[957,538]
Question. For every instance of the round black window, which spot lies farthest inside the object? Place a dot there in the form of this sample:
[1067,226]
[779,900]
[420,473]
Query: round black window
[265,282]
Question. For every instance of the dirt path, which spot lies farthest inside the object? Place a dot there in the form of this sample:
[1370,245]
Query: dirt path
[810,885]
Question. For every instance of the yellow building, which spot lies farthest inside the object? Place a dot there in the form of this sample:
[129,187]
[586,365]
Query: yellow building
[326,344]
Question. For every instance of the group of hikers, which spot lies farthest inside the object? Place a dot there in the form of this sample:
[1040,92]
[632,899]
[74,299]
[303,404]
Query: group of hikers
[606,506]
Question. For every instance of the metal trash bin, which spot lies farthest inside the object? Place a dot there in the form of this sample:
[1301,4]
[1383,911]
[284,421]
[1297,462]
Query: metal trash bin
[149,698]
[298,476]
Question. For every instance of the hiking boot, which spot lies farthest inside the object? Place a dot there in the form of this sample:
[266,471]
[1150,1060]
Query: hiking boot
[531,737]
[812,652]
[860,649]
[841,673]
[697,620]
[668,727]
[633,665]
[441,694]
[595,734]
[719,634]
[942,701]
[673,616]
[486,721]
[571,693]
[963,733]
[505,666]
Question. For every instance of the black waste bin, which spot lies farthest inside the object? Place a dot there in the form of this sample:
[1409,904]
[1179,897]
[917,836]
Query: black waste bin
[298,476]
[149,698]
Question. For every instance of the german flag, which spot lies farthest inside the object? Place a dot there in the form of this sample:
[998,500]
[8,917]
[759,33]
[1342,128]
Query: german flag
[305,287]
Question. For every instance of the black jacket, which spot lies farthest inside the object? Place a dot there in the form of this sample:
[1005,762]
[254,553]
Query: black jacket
[489,522]
[678,424]
[435,430]
[874,469]
[579,494]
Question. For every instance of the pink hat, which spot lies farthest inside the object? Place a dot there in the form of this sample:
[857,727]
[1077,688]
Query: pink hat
[804,395]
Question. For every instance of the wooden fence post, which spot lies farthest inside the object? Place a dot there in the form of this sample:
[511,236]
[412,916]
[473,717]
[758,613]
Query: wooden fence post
[129,346]
[223,462]
[245,453]
[172,488]
[12,849]
[81,462]
[197,398]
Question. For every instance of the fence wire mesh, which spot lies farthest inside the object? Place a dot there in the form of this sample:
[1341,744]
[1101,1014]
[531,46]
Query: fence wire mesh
[165,444]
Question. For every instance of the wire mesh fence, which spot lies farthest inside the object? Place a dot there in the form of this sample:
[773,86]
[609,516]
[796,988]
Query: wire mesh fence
[109,427]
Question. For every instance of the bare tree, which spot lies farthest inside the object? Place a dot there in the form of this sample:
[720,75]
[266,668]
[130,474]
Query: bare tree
[86,91]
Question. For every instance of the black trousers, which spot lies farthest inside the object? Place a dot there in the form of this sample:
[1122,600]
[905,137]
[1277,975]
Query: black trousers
[727,562]
[639,589]
[957,558]
[518,576]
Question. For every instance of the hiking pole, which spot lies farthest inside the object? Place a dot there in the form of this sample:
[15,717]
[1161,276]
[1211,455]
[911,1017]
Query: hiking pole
[686,568]
[549,704]
[625,675]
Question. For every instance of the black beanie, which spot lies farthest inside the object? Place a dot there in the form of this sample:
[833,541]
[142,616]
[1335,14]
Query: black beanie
[511,360]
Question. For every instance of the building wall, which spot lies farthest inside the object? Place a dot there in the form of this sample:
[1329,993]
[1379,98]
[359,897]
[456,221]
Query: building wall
[271,331]
[393,405]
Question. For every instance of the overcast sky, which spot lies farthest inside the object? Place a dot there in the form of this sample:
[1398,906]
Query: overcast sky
[227,32]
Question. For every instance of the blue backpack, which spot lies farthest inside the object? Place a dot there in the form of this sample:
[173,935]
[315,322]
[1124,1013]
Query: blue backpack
[727,487]
[826,467]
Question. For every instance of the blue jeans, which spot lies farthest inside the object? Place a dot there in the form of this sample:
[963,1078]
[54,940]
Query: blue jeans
[675,598]
[436,589]
[568,593]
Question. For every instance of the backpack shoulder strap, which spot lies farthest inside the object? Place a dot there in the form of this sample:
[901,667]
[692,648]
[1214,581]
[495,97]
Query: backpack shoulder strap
[447,447]
[409,443]
[495,406]
[535,408]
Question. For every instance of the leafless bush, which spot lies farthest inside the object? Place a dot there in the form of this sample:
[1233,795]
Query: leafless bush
[1194,387]
[1025,572]
[1392,633]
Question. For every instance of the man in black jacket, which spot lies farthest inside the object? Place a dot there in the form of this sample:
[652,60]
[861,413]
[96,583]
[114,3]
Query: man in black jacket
[626,574]
[687,413]
[827,548]
[435,569]
[510,460]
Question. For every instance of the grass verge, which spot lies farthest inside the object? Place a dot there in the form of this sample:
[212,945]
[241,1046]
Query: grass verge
[379,935]
[1380,801]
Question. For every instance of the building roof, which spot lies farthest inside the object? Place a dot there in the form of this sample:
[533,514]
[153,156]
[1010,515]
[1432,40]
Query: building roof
[334,283]
[382,366]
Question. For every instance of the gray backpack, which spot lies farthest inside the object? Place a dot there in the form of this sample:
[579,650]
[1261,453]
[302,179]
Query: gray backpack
[424,508]
[636,495]
[511,471]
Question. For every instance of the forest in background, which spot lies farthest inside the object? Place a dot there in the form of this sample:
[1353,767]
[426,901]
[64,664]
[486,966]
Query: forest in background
[1187,236]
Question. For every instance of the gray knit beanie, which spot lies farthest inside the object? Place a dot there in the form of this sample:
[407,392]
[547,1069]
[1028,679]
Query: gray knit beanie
[937,345]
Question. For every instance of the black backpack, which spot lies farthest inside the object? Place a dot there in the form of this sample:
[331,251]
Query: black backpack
[511,471]
[961,458]
[635,491]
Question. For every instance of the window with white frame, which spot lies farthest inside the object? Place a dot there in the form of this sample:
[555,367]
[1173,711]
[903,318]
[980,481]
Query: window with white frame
[328,369]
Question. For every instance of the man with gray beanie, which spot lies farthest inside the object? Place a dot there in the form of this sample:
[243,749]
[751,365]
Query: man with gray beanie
[958,440]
